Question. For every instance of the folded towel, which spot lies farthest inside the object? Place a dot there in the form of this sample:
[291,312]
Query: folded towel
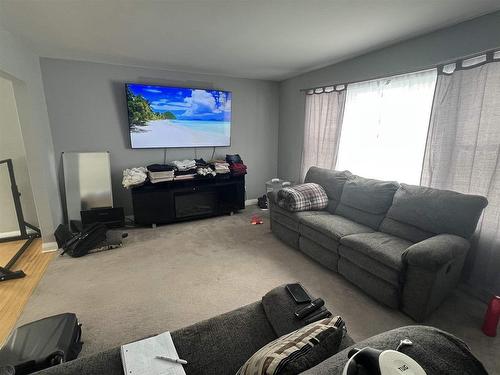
[134,177]
[183,165]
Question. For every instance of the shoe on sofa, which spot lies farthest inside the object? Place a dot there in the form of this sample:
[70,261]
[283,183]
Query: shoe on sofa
[403,245]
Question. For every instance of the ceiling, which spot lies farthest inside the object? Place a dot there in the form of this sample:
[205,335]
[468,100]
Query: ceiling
[266,39]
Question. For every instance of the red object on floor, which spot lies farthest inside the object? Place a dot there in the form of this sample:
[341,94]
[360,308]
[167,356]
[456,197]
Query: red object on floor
[256,219]
[492,316]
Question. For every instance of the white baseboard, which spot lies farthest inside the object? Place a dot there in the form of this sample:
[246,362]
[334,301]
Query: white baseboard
[250,202]
[49,247]
[14,233]
[10,234]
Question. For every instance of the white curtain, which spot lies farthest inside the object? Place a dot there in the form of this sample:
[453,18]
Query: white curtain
[463,154]
[323,121]
[385,126]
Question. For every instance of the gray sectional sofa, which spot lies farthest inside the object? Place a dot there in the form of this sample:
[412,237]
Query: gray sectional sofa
[221,345]
[404,245]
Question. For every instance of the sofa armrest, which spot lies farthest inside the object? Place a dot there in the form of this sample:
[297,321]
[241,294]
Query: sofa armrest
[438,352]
[273,197]
[436,251]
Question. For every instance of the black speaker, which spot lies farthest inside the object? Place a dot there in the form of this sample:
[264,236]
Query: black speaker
[111,217]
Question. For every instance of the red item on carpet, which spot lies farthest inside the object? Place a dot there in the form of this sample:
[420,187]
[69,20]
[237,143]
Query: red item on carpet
[256,219]
[491,318]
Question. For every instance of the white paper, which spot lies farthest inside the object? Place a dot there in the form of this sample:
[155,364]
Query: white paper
[139,358]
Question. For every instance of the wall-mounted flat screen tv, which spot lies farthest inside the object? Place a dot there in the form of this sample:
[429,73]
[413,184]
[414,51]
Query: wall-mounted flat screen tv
[163,116]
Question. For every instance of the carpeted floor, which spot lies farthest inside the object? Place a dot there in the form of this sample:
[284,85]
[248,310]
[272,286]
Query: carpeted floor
[176,275]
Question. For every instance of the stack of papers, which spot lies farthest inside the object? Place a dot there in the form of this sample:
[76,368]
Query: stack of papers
[139,358]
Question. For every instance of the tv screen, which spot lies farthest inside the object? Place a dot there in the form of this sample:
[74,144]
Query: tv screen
[162,116]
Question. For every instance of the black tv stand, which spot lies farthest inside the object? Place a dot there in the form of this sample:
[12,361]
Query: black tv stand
[168,202]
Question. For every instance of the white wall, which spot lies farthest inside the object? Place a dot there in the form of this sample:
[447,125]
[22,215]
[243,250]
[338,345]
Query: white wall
[467,38]
[87,111]
[23,68]
[12,147]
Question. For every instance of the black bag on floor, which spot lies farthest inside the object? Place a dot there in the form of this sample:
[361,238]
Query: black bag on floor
[80,244]
[41,344]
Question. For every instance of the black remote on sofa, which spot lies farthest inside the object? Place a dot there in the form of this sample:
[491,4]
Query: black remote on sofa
[309,309]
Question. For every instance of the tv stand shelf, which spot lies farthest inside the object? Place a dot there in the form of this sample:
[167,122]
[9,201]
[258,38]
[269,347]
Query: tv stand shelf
[168,202]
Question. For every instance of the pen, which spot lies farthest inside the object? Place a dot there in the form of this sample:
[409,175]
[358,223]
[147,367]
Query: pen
[175,360]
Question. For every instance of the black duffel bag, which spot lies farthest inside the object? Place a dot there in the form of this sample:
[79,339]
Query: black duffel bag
[77,245]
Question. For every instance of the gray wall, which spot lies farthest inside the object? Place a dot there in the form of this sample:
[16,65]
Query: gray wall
[87,111]
[22,68]
[461,40]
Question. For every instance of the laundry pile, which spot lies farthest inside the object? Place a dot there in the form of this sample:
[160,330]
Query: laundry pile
[221,167]
[236,165]
[203,168]
[160,173]
[134,177]
[205,172]
[179,170]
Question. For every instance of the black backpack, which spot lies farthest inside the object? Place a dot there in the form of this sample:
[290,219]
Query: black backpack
[77,245]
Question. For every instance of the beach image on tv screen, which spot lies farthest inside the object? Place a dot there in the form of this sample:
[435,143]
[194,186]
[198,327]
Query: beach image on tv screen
[161,116]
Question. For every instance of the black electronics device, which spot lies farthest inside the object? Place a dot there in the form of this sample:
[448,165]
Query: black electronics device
[111,217]
[298,293]
[321,314]
[301,313]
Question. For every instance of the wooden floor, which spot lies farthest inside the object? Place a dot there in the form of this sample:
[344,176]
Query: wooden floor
[15,293]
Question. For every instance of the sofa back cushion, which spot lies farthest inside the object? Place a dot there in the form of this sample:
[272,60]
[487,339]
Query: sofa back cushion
[432,211]
[332,181]
[365,200]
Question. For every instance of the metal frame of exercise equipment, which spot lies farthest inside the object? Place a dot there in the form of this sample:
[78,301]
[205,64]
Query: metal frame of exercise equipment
[5,272]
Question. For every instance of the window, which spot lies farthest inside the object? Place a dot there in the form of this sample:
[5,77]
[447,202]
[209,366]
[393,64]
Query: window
[385,125]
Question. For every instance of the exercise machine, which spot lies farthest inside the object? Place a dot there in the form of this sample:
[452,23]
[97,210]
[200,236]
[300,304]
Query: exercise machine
[5,272]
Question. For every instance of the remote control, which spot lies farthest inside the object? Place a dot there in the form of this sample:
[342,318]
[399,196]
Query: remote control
[310,308]
[321,315]
[298,293]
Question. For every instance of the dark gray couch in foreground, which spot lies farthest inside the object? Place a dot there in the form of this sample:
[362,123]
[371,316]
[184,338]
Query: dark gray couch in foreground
[220,345]
[404,245]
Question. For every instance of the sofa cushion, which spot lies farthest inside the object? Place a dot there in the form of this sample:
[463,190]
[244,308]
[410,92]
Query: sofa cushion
[291,219]
[332,181]
[381,247]
[370,284]
[437,211]
[403,230]
[326,257]
[332,226]
[374,267]
[366,201]
[321,239]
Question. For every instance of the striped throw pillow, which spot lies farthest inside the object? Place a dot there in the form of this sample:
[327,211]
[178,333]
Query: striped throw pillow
[297,351]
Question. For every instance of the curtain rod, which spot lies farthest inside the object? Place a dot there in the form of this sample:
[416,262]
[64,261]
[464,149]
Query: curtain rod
[428,67]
